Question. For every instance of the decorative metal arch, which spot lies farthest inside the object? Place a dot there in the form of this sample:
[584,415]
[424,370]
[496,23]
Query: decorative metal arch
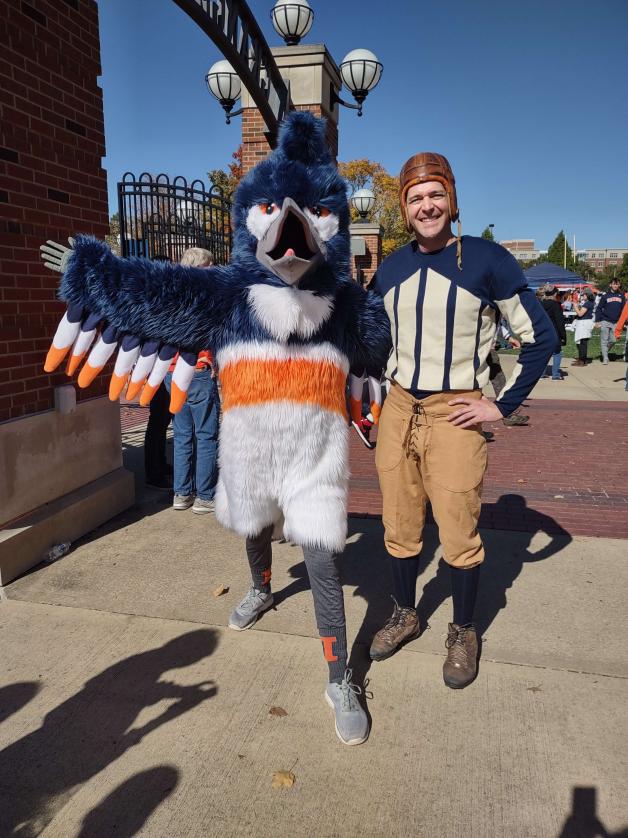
[231,26]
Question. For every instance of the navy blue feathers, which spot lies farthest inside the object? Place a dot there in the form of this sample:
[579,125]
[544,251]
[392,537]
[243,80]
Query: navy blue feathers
[197,308]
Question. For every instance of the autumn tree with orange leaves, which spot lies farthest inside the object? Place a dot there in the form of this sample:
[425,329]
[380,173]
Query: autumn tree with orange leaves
[363,173]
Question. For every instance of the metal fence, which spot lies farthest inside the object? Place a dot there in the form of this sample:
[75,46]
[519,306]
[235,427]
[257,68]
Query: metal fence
[163,218]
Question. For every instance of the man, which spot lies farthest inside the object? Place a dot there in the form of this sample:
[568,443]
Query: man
[554,311]
[606,316]
[443,295]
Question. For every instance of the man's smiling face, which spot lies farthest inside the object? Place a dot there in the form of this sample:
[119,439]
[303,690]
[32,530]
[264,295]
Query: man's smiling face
[427,207]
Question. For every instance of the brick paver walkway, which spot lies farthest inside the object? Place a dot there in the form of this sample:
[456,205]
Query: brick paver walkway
[566,470]
[132,415]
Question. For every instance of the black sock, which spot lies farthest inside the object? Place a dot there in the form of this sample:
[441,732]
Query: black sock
[404,574]
[334,640]
[464,589]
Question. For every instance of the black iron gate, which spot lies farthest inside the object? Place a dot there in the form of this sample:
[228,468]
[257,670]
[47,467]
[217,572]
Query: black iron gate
[163,218]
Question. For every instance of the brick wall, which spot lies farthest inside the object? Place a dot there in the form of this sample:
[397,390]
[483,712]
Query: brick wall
[51,179]
[255,146]
[371,260]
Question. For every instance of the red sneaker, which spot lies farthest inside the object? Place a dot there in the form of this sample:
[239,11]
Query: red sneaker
[363,430]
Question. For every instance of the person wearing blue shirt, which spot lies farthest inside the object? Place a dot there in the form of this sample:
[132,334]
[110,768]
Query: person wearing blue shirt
[607,314]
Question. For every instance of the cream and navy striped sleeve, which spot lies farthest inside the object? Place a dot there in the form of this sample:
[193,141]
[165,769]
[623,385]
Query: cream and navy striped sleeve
[527,319]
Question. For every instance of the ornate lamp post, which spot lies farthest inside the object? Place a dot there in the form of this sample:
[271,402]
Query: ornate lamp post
[222,82]
[360,69]
[363,200]
[292,20]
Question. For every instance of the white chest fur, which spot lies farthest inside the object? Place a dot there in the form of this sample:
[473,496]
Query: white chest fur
[289,311]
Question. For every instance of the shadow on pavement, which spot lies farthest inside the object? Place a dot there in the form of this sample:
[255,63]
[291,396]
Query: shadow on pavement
[499,572]
[365,565]
[583,821]
[93,728]
[14,696]
[125,811]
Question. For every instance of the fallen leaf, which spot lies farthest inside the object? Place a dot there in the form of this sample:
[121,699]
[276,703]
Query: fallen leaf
[559,496]
[277,711]
[220,590]
[589,433]
[283,780]
[536,689]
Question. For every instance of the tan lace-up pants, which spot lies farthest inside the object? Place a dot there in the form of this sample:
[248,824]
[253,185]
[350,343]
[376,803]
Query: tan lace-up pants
[420,456]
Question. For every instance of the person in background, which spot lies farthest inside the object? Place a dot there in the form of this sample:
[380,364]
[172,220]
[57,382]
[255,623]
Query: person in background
[196,425]
[555,313]
[607,314]
[623,318]
[157,471]
[583,327]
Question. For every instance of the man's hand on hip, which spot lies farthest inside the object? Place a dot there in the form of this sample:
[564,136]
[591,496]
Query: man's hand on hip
[474,411]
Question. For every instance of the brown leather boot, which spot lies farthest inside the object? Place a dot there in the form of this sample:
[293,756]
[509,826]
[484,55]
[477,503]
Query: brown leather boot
[461,665]
[402,627]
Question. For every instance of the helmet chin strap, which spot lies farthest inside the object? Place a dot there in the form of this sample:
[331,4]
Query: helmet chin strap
[458,234]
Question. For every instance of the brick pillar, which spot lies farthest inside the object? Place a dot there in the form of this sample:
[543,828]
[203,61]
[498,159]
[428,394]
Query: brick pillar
[51,146]
[366,250]
[311,72]
[52,185]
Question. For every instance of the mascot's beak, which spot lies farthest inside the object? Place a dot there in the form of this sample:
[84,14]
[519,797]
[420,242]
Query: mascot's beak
[291,246]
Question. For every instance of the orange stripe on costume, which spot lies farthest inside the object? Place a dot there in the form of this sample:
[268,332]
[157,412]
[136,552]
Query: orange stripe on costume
[249,382]
[54,358]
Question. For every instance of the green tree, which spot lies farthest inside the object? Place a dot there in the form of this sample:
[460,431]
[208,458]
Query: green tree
[386,212]
[622,270]
[487,233]
[556,252]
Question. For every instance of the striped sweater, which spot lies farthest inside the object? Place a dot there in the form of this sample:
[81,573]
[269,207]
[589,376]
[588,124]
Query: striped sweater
[443,320]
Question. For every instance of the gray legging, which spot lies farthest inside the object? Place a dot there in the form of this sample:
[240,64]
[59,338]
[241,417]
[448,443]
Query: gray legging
[329,607]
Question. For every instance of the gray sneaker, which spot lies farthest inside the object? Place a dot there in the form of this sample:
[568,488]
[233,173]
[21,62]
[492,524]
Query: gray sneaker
[247,612]
[182,501]
[202,507]
[352,724]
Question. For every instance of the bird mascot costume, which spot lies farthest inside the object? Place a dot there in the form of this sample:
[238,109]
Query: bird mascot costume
[285,323]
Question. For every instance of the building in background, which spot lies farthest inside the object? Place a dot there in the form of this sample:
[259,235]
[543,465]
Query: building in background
[602,258]
[523,249]
[598,259]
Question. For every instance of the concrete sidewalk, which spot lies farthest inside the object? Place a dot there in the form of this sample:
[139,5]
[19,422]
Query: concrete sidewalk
[128,708]
[595,382]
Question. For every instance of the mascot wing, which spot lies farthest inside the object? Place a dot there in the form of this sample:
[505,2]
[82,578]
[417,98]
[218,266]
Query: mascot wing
[148,311]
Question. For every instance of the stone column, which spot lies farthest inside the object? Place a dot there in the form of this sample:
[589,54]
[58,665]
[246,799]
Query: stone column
[312,73]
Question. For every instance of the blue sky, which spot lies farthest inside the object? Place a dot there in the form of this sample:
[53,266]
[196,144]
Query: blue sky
[527,99]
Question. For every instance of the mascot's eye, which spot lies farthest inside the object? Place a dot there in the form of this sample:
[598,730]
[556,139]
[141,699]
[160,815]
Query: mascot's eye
[320,212]
[268,209]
